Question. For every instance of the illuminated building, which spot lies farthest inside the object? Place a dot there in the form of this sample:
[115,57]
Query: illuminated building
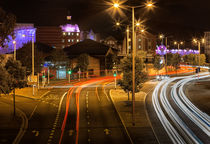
[23,34]
[207,44]
[59,37]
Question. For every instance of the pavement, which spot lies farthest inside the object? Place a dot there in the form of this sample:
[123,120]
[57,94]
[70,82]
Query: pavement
[141,132]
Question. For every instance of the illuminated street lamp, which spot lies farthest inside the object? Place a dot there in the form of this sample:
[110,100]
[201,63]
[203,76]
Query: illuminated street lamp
[199,47]
[148,5]
[14,42]
[178,43]
[117,24]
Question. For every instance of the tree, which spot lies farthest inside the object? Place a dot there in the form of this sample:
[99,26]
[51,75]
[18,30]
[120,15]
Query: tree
[158,63]
[169,59]
[176,59]
[16,75]
[140,76]
[59,59]
[24,55]
[7,25]
[111,60]
[83,62]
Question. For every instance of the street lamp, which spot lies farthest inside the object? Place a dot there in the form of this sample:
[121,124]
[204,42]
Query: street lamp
[199,47]
[178,43]
[148,5]
[32,36]
[14,42]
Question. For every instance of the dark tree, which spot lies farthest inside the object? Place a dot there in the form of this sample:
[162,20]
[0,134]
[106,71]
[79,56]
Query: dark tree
[158,64]
[83,62]
[176,59]
[7,25]
[140,76]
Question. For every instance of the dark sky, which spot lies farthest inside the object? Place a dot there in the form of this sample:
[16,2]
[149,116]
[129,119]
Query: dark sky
[183,19]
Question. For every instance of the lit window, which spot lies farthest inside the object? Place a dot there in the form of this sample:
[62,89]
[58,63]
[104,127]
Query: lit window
[77,40]
[64,33]
[72,40]
[139,47]
[72,33]
[63,46]
[63,40]
[69,33]
[139,39]
[77,34]
[69,40]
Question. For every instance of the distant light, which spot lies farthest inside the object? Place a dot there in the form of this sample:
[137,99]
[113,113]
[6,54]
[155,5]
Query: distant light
[23,35]
[68,17]
[142,30]
[181,43]
[175,42]
[14,42]
[137,24]
[117,23]
[116,5]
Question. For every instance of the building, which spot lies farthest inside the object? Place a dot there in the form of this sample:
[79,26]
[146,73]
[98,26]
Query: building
[96,51]
[23,33]
[207,45]
[144,41]
[58,37]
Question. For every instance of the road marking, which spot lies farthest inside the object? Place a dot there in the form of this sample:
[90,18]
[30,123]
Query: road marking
[71,132]
[56,120]
[107,131]
[36,132]
[44,94]
[33,112]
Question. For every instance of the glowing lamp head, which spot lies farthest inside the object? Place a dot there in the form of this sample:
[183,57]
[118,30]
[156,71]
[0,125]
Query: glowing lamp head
[14,42]
[116,5]
[161,36]
[181,43]
[175,43]
[203,40]
[23,35]
[150,4]
[194,40]
[142,30]
[117,23]
[127,30]
[137,24]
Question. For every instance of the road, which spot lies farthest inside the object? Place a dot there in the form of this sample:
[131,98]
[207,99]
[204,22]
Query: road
[177,120]
[79,114]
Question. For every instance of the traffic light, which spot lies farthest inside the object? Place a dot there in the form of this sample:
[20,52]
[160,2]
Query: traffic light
[69,71]
[43,76]
[115,73]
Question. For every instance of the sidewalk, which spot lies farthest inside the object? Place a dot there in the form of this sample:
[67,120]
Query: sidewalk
[28,92]
[142,131]
[8,123]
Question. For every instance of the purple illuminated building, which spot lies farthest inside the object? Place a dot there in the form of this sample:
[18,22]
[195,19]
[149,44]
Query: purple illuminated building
[70,28]
[23,34]
[161,50]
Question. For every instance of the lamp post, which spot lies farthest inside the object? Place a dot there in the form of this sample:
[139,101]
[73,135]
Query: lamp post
[199,48]
[32,54]
[127,32]
[178,44]
[14,42]
[149,5]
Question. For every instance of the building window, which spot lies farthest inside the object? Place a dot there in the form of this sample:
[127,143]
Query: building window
[72,33]
[69,40]
[72,40]
[64,33]
[69,33]
[77,40]
[139,40]
[139,47]
[77,34]
[63,40]
[63,46]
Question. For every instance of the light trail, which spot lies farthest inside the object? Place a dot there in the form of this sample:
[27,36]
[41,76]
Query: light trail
[184,133]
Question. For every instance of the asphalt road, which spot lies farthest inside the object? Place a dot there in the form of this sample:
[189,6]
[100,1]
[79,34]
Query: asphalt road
[174,118]
[98,121]
[75,115]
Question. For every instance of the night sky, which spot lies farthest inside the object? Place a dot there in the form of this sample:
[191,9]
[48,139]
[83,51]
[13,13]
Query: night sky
[181,19]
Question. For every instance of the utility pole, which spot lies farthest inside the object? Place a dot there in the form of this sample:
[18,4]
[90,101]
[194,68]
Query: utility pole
[133,69]
[32,55]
